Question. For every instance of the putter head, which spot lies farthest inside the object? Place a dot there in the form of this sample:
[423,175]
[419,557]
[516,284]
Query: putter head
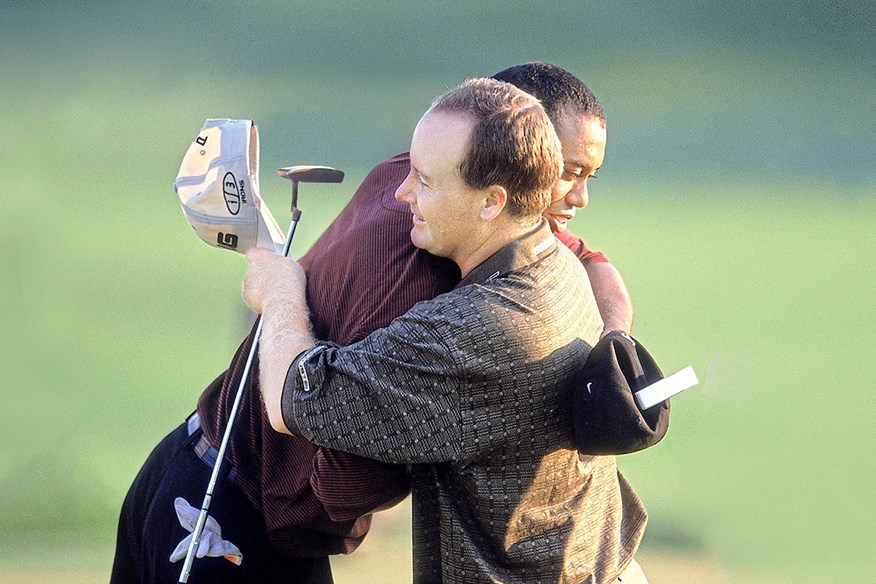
[312,174]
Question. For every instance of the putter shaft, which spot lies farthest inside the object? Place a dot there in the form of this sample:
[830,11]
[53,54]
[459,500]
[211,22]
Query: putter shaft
[220,457]
[320,174]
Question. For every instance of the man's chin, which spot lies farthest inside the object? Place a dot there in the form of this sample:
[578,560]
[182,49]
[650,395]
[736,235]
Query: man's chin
[418,240]
[557,226]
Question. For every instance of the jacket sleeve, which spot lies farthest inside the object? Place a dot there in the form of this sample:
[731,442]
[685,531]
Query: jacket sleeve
[392,397]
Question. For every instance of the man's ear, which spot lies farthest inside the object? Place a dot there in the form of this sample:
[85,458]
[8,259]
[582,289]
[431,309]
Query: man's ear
[495,199]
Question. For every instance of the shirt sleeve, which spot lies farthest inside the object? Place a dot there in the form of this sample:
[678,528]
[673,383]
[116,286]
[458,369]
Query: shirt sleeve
[393,396]
[580,249]
[350,486]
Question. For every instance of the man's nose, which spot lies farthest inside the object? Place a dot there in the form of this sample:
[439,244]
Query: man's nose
[579,196]
[402,193]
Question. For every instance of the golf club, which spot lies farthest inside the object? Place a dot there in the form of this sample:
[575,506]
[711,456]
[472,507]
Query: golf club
[297,174]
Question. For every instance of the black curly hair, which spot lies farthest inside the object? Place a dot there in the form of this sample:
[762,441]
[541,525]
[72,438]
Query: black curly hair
[560,92]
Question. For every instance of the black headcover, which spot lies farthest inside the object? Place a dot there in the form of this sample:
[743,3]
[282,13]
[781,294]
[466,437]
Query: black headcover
[606,417]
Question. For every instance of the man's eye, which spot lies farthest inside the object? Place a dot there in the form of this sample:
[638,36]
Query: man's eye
[569,175]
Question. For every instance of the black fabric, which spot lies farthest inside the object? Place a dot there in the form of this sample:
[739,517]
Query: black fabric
[149,529]
[605,414]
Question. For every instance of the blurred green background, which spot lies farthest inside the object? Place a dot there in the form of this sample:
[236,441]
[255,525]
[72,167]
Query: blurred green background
[736,199]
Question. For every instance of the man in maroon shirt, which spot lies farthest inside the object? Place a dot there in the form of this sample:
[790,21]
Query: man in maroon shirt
[284,502]
[580,123]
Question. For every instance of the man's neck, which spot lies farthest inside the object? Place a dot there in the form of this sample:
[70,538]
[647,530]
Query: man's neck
[502,233]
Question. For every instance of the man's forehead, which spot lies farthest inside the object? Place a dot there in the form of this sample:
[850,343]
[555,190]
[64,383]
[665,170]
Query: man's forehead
[440,136]
[445,122]
[583,138]
[576,123]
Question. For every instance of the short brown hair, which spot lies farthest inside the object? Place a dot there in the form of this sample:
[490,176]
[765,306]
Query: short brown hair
[513,143]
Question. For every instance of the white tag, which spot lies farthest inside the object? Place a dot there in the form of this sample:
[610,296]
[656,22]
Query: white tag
[667,387]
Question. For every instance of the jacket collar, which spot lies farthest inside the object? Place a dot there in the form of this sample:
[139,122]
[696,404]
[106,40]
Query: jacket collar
[521,252]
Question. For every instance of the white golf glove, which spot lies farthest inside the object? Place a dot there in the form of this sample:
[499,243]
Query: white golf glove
[211,543]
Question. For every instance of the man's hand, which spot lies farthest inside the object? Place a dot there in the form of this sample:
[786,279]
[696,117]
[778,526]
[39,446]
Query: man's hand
[272,280]
[275,287]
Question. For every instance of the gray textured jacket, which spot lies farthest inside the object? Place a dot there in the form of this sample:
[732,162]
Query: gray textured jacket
[474,390]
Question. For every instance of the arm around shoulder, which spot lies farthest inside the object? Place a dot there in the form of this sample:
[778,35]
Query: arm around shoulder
[612,296]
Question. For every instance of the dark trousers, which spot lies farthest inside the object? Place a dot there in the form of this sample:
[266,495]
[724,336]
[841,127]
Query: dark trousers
[149,529]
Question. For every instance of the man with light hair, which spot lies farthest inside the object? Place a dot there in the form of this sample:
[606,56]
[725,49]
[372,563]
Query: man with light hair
[473,389]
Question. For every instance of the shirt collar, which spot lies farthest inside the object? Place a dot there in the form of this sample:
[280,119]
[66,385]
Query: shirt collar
[521,252]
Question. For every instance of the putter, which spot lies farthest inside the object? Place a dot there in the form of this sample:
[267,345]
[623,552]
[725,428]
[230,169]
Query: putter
[297,174]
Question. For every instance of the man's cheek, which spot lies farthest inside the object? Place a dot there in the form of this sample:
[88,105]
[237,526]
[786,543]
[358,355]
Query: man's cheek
[560,190]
